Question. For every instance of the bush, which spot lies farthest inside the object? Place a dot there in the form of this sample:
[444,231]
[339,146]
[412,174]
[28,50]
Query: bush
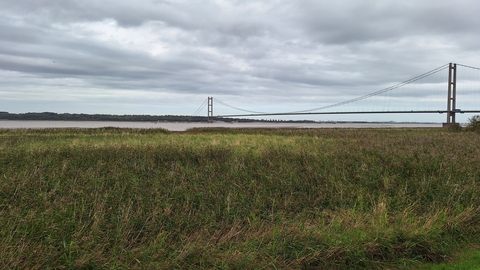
[474,124]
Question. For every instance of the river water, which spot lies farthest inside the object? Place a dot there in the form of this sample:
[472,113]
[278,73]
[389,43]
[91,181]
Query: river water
[182,126]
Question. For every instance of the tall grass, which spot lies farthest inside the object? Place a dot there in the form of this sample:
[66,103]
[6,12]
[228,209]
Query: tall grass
[225,198]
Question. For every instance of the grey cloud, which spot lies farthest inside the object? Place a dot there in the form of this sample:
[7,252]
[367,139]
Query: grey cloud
[14,34]
[300,52]
[343,22]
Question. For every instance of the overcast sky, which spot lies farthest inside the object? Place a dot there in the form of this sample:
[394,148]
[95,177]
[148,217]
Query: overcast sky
[167,56]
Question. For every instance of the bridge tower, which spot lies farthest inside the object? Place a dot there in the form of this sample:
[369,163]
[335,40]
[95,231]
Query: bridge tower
[210,109]
[452,94]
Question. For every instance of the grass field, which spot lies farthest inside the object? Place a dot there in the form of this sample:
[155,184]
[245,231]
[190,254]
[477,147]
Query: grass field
[237,199]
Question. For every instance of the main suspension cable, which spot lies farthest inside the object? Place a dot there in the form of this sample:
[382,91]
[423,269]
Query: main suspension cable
[468,66]
[200,108]
[431,72]
[236,108]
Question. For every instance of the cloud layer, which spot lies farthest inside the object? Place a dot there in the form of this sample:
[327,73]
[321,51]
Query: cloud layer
[166,57]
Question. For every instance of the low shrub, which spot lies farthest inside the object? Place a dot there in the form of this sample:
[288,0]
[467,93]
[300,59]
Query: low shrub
[474,124]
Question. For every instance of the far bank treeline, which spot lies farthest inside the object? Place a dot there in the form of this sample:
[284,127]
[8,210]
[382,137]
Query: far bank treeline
[108,117]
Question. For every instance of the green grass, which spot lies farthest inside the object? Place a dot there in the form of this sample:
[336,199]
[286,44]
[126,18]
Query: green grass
[237,198]
[468,260]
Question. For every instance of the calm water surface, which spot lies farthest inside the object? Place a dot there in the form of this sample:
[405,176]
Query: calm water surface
[184,126]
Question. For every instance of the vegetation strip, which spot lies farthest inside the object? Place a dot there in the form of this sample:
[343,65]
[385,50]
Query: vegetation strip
[232,198]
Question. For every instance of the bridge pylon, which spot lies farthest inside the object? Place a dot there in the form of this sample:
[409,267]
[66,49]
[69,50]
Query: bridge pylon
[452,94]
[210,109]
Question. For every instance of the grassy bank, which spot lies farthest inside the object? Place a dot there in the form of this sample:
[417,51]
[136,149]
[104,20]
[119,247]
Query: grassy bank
[225,198]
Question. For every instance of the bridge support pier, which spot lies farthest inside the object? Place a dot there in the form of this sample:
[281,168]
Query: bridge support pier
[450,125]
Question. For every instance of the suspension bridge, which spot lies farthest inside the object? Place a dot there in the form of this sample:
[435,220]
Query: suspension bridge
[450,89]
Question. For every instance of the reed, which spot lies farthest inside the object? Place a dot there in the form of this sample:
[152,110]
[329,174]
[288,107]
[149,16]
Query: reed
[236,198]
